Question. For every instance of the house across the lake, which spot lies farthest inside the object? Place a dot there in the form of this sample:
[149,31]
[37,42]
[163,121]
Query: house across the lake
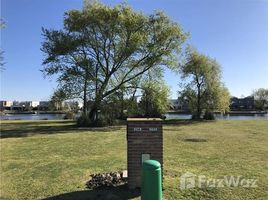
[246,103]
[177,105]
[5,105]
[36,105]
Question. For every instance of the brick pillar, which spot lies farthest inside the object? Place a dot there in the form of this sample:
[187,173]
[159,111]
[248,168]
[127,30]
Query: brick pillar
[144,136]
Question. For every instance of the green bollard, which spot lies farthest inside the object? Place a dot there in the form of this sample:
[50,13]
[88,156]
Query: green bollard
[151,186]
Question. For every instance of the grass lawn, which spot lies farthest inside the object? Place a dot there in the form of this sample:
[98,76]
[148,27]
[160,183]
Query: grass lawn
[53,159]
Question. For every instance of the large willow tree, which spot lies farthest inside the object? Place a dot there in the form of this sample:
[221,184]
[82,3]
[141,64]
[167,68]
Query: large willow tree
[102,49]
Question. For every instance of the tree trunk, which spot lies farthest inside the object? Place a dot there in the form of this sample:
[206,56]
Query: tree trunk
[93,114]
[198,103]
[122,105]
[147,106]
[85,98]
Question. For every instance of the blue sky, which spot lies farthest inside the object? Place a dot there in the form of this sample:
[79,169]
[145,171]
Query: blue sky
[234,32]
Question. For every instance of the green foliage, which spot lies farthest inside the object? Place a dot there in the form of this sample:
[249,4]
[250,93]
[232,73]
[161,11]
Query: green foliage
[69,115]
[103,49]
[154,100]
[132,107]
[202,89]
[209,116]
[57,99]
[84,120]
[221,99]
[261,98]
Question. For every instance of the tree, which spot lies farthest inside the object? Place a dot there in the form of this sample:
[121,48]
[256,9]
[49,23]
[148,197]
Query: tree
[119,43]
[75,69]
[261,98]
[203,89]
[57,99]
[154,101]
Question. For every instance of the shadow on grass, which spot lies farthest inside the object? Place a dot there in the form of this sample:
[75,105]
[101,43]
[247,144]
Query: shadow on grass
[26,129]
[36,121]
[185,121]
[170,124]
[195,140]
[30,128]
[109,193]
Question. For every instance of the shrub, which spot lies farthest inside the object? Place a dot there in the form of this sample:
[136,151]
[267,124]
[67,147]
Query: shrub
[106,119]
[69,115]
[84,120]
[209,116]
[164,117]
[195,117]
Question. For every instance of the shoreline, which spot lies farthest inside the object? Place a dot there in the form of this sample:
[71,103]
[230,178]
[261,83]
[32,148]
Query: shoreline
[233,112]
[33,112]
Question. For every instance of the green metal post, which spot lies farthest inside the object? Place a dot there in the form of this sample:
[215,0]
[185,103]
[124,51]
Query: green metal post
[151,187]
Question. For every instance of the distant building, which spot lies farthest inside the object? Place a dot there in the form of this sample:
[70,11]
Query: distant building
[5,105]
[16,106]
[44,105]
[242,103]
[177,105]
[24,105]
[174,104]
[16,103]
[35,104]
[29,104]
[71,105]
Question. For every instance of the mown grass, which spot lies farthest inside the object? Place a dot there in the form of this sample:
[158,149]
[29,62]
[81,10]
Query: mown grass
[53,159]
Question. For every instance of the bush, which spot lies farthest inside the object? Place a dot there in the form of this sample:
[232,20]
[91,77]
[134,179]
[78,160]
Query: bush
[195,117]
[103,120]
[69,115]
[209,116]
[106,119]
[84,120]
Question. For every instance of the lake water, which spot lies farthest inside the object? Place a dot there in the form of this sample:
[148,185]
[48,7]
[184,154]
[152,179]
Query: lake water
[168,115]
[221,117]
[31,116]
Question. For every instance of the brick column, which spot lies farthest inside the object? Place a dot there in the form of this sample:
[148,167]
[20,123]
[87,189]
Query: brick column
[144,136]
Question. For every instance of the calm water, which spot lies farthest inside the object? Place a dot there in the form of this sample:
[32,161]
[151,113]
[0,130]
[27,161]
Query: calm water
[168,115]
[221,117]
[31,116]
